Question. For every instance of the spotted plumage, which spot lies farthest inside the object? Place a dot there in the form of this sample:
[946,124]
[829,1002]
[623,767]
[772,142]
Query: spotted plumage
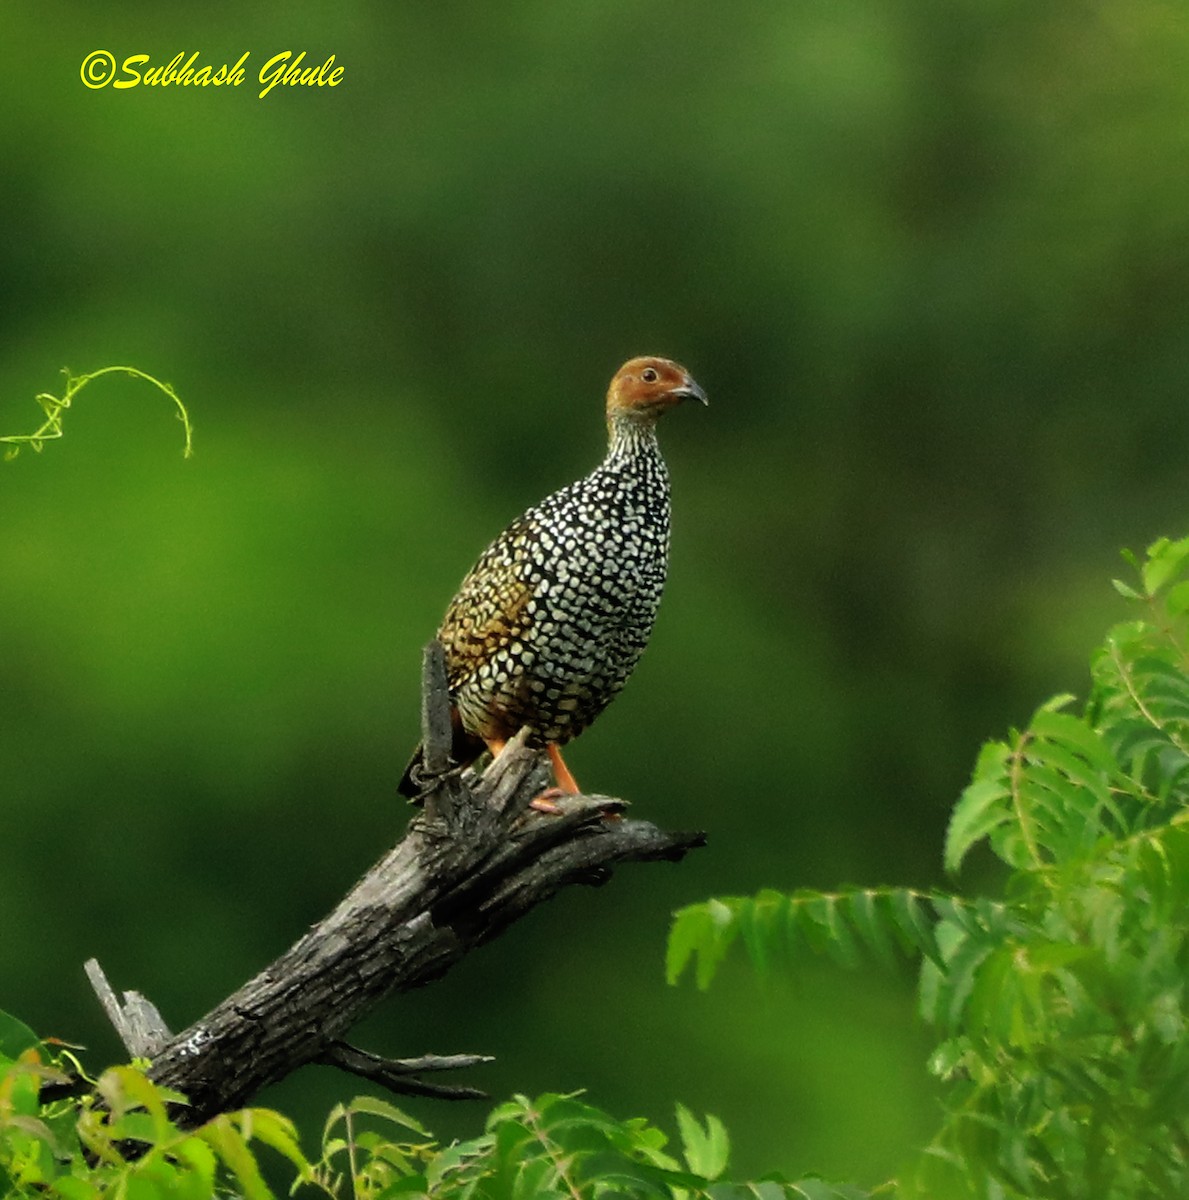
[552,619]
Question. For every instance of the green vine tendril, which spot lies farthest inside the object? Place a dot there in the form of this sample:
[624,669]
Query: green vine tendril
[55,406]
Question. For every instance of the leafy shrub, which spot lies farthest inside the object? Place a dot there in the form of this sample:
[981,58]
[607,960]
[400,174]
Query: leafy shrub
[1060,1008]
[121,1143]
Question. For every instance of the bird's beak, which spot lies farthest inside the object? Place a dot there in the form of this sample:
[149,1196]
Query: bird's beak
[689,390]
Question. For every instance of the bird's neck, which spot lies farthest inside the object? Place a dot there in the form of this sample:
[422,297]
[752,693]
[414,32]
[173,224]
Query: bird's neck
[630,441]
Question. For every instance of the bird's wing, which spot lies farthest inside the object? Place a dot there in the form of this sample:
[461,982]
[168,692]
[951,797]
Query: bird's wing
[491,608]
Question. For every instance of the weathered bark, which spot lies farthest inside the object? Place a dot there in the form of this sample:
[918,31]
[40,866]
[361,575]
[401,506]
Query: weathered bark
[474,860]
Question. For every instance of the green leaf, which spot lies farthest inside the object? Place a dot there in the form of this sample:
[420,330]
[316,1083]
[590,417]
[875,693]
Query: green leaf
[224,1136]
[1165,560]
[126,1088]
[1176,599]
[531,1177]
[22,1084]
[70,1187]
[763,1190]
[701,931]
[949,1057]
[957,983]
[818,1189]
[408,1185]
[198,1156]
[818,919]
[1076,734]
[706,1150]
[280,1134]
[982,808]
[373,1106]
[867,913]
[775,926]
[15,1037]
[915,925]
[758,923]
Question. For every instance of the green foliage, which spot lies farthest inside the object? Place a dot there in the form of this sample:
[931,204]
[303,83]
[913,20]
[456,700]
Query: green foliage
[122,1142]
[55,406]
[1061,1009]
[774,924]
[15,1038]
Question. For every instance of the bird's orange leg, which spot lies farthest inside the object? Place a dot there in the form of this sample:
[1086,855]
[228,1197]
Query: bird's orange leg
[567,785]
[565,781]
[495,746]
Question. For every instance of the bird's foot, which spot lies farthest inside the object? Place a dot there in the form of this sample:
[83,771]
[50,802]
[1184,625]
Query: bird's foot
[545,802]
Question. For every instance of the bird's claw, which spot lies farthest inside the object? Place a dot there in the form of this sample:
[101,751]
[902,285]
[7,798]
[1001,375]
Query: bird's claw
[544,803]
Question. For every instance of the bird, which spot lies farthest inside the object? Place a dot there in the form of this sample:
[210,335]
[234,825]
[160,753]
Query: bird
[551,621]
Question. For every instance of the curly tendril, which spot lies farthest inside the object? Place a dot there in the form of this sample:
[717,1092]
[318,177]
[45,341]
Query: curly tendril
[55,406]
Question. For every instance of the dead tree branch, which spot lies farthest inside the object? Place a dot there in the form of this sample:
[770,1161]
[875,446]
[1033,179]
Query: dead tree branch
[473,861]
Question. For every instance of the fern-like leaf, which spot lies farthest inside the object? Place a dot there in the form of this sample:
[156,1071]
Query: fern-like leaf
[847,925]
[1042,797]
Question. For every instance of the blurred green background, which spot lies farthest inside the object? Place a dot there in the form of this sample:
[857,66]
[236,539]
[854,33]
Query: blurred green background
[931,262]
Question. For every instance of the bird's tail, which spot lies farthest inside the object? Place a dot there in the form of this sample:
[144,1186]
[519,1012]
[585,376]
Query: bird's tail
[464,749]
[408,785]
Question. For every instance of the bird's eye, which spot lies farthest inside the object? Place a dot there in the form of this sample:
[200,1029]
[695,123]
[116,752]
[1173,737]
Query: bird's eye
[649,375]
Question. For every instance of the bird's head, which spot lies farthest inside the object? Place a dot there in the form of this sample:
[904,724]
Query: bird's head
[644,388]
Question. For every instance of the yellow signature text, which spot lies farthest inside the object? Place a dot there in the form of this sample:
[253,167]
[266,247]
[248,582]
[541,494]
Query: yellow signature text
[100,69]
